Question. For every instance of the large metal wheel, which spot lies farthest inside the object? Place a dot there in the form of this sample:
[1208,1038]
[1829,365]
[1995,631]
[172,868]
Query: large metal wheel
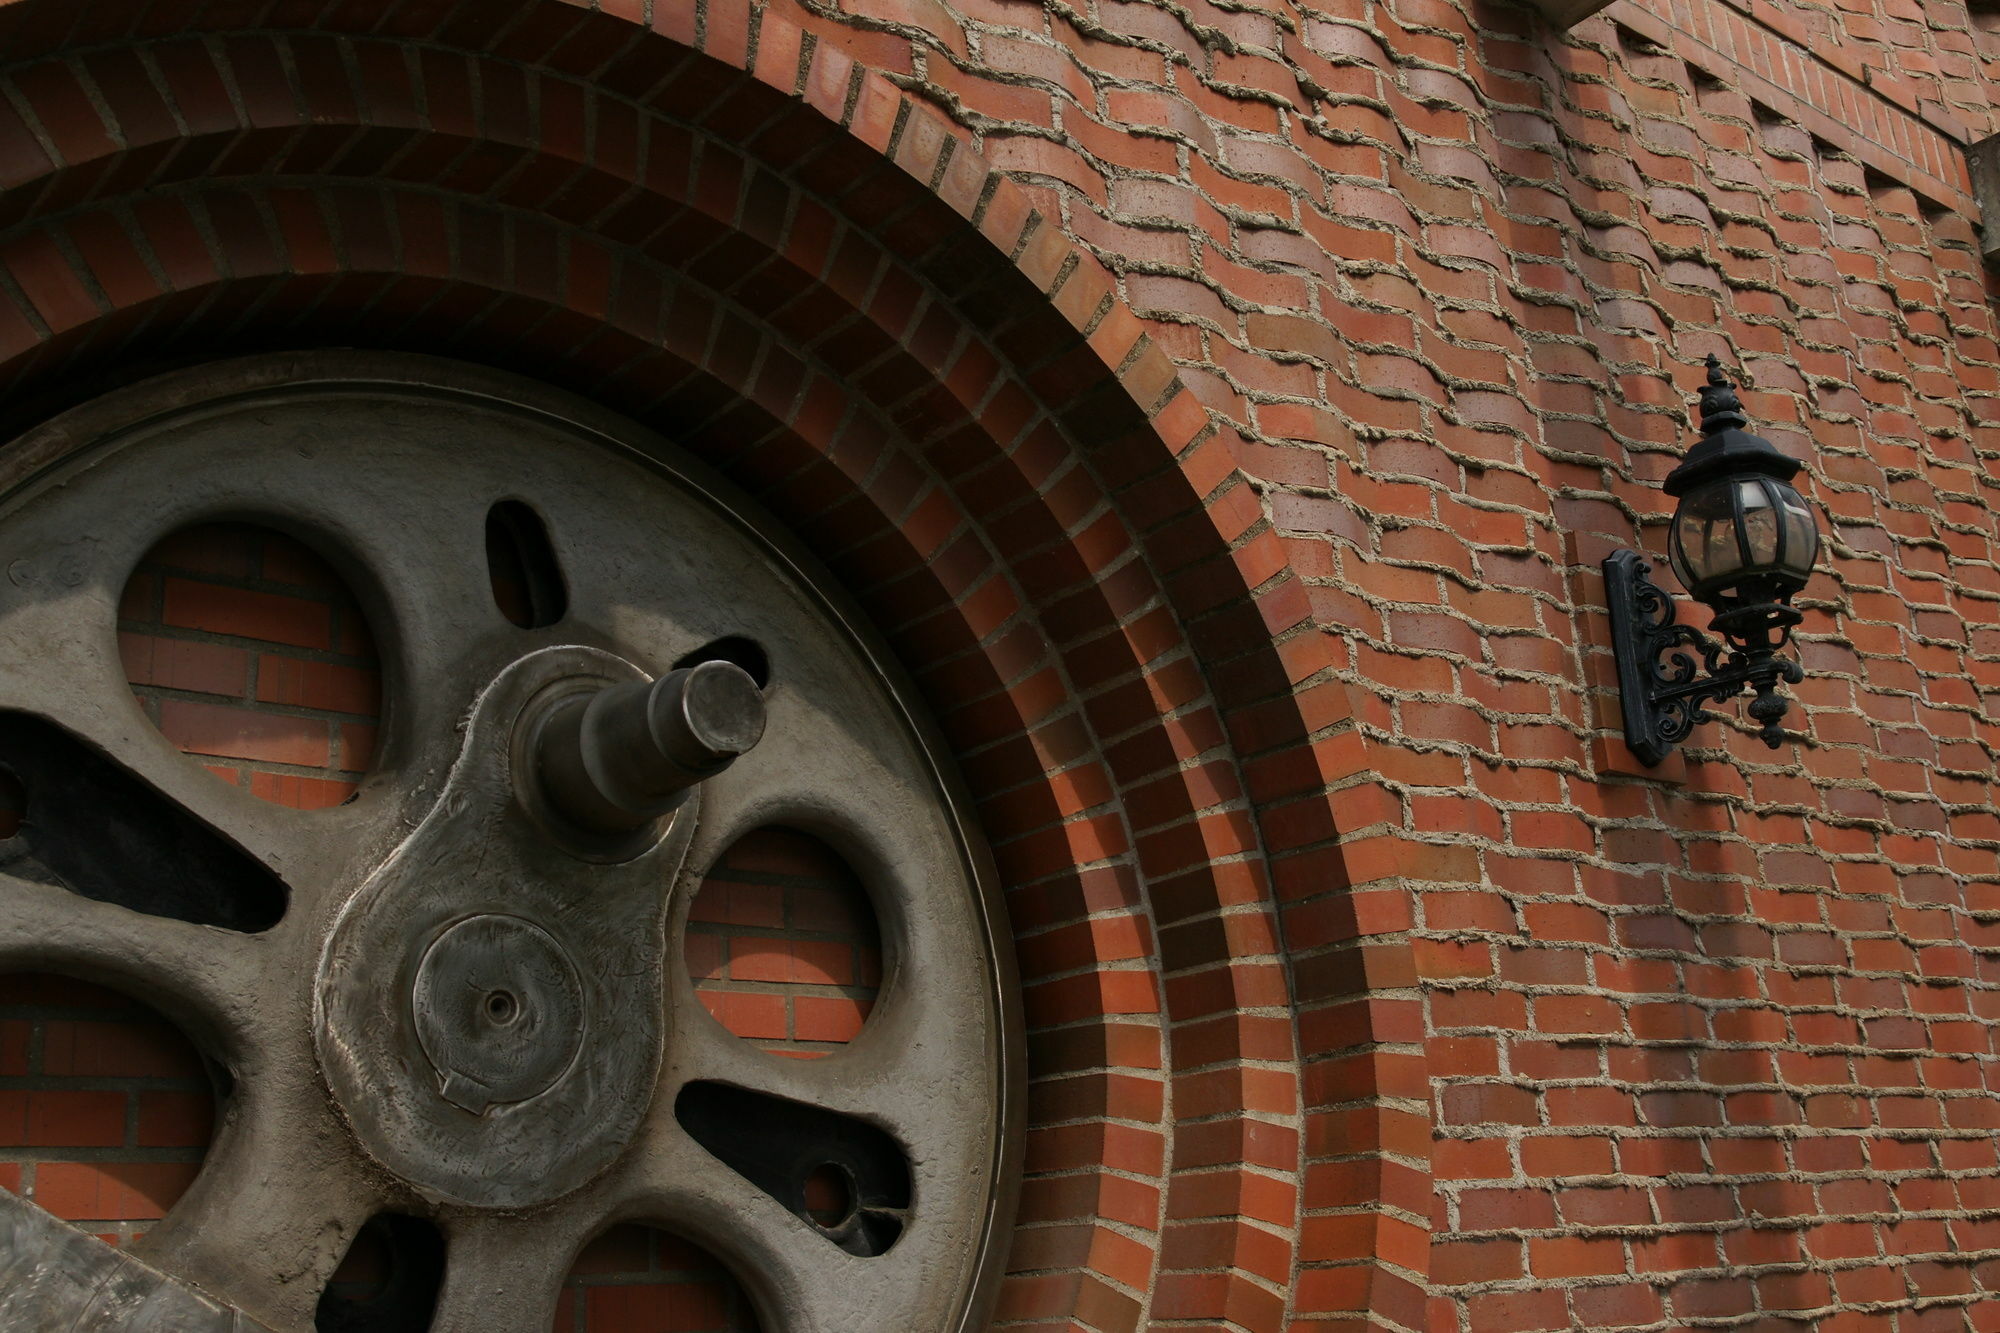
[471,1006]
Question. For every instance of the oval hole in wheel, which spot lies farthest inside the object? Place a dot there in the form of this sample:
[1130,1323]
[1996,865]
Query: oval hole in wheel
[388,1282]
[830,1194]
[114,1106]
[641,1277]
[521,564]
[251,653]
[782,944]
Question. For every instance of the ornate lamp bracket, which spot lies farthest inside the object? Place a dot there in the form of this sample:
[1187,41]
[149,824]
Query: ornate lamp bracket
[1660,681]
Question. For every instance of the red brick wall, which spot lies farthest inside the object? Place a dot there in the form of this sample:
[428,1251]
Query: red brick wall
[1395,995]
[1715,1043]
[636,1279]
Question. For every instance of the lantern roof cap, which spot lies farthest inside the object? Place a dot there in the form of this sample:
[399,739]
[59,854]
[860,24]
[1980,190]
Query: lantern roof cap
[1725,447]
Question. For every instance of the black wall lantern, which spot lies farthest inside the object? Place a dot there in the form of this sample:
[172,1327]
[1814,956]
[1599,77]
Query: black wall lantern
[1743,541]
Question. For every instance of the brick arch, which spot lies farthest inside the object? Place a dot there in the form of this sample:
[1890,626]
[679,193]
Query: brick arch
[1083,627]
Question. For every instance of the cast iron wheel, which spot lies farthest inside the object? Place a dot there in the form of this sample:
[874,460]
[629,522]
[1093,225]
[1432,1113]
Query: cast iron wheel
[472,1007]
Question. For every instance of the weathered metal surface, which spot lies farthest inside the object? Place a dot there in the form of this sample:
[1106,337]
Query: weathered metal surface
[56,1279]
[498,1010]
[462,1106]
[523,1128]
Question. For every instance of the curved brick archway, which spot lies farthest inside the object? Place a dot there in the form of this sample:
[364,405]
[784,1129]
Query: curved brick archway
[740,237]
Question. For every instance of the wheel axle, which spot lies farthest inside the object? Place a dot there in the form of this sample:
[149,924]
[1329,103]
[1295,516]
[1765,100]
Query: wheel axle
[615,760]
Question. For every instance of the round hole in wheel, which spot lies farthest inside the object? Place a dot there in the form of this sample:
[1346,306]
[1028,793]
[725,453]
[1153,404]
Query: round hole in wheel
[782,944]
[636,1278]
[467,1013]
[106,1109]
[388,1281]
[829,1194]
[250,653]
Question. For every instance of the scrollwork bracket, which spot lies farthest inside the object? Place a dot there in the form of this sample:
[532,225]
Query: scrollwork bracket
[1660,681]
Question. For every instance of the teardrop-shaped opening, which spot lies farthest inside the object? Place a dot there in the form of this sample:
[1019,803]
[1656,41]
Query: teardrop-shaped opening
[87,824]
[389,1280]
[844,1176]
[521,565]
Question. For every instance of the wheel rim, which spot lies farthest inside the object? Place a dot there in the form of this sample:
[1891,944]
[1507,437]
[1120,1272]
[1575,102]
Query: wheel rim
[628,1101]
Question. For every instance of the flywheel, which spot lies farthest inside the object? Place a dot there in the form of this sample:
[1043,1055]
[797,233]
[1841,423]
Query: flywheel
[461,996]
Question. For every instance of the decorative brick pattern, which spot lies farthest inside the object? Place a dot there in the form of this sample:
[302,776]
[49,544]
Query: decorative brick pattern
[1118,812]
[1935,60]
[1032,663]
[1864,110]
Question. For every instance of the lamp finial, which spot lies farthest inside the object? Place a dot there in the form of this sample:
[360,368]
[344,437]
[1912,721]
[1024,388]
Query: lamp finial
[1720,408]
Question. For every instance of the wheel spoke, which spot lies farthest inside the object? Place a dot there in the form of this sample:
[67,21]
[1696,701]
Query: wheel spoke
[103,780]
[59,663]
[875,1078]
[213,978]
[414,546]
[276,1206]
[78,689]
[504,1274]
[909,1112]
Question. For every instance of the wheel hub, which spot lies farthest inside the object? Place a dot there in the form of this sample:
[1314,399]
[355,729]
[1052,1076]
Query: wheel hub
[498,1010]
[512,1050]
